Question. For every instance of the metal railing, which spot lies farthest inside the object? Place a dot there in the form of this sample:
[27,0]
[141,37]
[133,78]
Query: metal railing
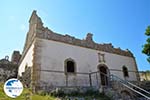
[131,86]
[93,79]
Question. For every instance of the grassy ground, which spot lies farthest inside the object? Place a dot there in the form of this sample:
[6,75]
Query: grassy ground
[27,95]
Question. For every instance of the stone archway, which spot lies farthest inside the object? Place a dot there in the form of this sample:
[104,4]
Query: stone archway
[104,72]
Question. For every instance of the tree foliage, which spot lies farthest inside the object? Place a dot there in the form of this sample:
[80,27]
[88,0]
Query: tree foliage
[146,47]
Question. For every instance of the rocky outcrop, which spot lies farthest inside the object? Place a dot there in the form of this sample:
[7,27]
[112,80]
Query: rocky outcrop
[7,70]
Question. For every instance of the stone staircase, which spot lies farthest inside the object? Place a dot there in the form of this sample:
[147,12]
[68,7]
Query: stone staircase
[145,85]
[124,90]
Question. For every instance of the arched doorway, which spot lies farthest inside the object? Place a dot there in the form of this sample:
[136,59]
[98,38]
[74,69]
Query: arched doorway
[103,74]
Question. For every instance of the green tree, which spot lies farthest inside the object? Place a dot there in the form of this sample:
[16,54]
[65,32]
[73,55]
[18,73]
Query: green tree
[146,47]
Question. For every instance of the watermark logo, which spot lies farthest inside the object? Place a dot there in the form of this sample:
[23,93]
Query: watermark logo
[13,88]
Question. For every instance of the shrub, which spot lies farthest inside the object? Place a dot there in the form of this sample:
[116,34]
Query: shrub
[92,92]
[57,93]
[42,93]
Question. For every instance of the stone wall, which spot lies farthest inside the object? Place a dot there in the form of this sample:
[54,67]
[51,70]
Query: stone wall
[26,77]
[87,43]
[15,57]
[52,55]
[145,76]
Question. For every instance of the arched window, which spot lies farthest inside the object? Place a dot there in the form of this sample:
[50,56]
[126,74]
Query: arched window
[70,66]
[125,71]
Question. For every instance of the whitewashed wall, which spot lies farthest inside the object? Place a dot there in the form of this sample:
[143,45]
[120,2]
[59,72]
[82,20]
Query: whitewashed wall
[27,60]
[55,53]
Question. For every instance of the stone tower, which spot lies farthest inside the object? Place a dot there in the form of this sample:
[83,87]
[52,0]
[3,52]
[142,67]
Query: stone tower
[15,57]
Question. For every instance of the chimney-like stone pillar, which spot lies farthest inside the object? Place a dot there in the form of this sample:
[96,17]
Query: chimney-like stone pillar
[89,37]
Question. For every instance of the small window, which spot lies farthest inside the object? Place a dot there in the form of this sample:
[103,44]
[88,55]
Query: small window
[70,66]
[125,71]
[101,57]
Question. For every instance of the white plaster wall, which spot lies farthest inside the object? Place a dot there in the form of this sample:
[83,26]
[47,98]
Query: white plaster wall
[114,61]
[27,60]
[55,53]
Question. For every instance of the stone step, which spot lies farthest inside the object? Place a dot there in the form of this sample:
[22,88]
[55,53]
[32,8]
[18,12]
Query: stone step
[145,85]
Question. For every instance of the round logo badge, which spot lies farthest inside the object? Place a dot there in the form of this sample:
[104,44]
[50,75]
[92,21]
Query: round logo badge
[13,88]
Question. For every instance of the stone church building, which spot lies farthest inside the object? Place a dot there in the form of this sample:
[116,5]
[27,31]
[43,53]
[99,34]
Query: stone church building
[63,60]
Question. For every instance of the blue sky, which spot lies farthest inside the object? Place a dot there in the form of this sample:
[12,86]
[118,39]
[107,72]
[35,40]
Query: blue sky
[120,22]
